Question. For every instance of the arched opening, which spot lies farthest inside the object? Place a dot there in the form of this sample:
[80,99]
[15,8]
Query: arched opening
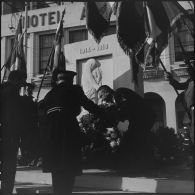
[158,105]
[180,110]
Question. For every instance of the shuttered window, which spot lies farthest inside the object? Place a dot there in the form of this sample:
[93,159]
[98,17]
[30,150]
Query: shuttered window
[187,42]
[78,35]
[45,43]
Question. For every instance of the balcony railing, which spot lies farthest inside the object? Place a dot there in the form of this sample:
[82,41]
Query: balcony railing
[153,74]
[180,72]
[46,82]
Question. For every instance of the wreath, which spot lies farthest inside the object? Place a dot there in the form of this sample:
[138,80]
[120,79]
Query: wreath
[101,143]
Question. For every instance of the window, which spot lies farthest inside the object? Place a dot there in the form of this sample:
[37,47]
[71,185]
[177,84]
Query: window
[6,8]
[46,43]
[9,7]
[11,43]
[78,35]
[40,5]
[187,42]
[12,40]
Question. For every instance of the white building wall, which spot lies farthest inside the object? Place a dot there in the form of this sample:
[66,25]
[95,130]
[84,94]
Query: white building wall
[72,20]
[3,53]
[167,92]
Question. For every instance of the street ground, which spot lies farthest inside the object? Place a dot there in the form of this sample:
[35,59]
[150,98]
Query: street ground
[175,179]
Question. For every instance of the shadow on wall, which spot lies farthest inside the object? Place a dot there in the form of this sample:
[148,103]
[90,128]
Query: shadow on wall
[126,80]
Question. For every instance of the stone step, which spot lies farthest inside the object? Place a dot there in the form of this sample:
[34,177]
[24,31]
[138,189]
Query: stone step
[108,180]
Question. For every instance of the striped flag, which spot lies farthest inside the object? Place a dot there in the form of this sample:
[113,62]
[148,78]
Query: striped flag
[16,59]
[57,58]
[153,31]
[98,18]
[160,19]
[130,29]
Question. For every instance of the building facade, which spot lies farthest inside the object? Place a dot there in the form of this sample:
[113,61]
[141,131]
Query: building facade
[79,46]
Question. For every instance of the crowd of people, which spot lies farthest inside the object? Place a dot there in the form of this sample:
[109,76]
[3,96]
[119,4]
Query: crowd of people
[50,130]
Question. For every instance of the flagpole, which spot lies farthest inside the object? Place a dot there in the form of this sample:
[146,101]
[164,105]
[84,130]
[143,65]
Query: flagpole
[167,73]
[2,67]
[52,52]
[4,75]
[25,35]
[45,71]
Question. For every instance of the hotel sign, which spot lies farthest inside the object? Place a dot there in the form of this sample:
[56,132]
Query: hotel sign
[43,19]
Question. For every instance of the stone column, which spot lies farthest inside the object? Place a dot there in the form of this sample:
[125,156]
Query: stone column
[171,113]
[5,52]
[33,55]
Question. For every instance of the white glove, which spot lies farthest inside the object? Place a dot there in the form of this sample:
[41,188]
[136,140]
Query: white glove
[123,126]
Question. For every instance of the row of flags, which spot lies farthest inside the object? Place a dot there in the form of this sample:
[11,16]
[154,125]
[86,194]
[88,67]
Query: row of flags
[57,58]
[17,60]
[142,27]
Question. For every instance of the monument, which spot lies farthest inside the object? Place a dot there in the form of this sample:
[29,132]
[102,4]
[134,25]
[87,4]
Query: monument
[91,78]
[110,62]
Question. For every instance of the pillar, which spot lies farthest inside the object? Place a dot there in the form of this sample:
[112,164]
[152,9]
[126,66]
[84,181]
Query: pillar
[171,113]
[33,55]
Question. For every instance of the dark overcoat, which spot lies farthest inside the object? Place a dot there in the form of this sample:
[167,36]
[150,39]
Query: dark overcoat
[11,111]
[135,143]
[30,135]
[61,135]
[12,123]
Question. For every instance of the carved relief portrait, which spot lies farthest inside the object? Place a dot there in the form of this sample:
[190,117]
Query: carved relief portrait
[91,78]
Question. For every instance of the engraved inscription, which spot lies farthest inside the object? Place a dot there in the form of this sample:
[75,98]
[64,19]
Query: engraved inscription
[87,50]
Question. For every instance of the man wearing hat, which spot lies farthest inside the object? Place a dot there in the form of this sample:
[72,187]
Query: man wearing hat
[188,87]
[30,137]
[61,134]
[188,101]
[11,119]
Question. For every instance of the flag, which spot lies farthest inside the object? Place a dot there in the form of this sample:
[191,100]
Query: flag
[160,19]
[57,58]
[16,59]
[153,31]
[97,18]
[130,29]
[130,25]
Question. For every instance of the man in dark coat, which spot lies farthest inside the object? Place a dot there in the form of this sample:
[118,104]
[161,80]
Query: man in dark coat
[135,147]
[61,135]
[30,136]
[188,101]
[11,119]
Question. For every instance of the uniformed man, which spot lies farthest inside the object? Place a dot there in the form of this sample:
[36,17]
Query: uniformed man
[188,87]
[61,134]
[30,136]
[137,118]
[12,121]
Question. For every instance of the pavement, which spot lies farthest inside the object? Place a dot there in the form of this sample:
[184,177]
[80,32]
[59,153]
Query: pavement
[99,181]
